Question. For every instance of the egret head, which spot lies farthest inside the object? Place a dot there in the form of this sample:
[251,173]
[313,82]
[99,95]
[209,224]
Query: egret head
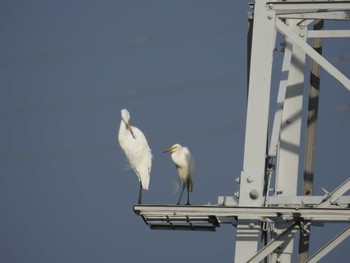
[173,148]
[126,120]
[125,116]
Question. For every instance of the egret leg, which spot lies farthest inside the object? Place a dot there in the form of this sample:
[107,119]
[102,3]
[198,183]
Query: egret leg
[140,194]
[183,188]
[188,196]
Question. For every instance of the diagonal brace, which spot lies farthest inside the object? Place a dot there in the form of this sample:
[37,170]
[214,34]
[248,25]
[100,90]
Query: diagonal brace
[324,63]
[335,195]
[285,236]
[330,245]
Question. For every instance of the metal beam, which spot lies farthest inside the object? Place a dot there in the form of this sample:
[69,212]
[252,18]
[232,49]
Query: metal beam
[329,15]
[294,201]
[330,245]
[328,33]
[228,214]
[289,141]
[253,172]
[263,41]
[307,6]
[287,167]
[277,121]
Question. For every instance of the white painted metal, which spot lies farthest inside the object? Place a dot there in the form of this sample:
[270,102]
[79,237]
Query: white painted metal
[300,7]
[258,104]
[329,15]
[294,201]
[328,33]
[277,122]
[289,141]
[223,213]
[252,176]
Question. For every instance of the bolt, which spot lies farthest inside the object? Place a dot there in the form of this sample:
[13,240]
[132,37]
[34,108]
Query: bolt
[250,179]
[301,34]
[251,225]
[254,194]
[279,191]
[270,17]
[236,194]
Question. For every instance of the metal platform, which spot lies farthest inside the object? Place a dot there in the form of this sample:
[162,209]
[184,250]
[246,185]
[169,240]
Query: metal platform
[167,217]
[208,218]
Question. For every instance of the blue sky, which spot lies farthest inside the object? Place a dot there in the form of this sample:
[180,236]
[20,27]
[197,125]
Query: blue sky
[179,67]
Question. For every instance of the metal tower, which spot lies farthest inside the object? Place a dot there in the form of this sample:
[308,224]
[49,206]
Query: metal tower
[267,221]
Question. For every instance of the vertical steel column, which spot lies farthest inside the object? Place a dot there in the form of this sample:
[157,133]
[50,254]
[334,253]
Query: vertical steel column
[252,176]
[289,147]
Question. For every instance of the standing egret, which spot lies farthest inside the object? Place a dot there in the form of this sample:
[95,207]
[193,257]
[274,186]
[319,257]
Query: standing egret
[184,163]
[134,144]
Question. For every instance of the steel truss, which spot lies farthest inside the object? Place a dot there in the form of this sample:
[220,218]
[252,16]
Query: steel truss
[290,19]
[265,219]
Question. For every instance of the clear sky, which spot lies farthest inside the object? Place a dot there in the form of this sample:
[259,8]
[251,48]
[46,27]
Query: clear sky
[67,68]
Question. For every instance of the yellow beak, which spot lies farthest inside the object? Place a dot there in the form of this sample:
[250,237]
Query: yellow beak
[129,128]
[169,149]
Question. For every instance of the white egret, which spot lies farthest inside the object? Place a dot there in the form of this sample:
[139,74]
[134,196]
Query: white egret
[184,163]
[134,144]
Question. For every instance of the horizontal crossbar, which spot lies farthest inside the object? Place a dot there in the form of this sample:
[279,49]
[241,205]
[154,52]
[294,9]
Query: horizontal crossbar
[192,217]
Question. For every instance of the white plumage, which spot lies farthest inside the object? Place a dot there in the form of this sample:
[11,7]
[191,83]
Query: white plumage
[184,163]
[135,146]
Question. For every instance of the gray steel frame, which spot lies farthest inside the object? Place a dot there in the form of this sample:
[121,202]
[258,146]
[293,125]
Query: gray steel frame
[291,20]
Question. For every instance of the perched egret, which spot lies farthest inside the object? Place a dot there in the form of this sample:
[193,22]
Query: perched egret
[184,163]
[134,144]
